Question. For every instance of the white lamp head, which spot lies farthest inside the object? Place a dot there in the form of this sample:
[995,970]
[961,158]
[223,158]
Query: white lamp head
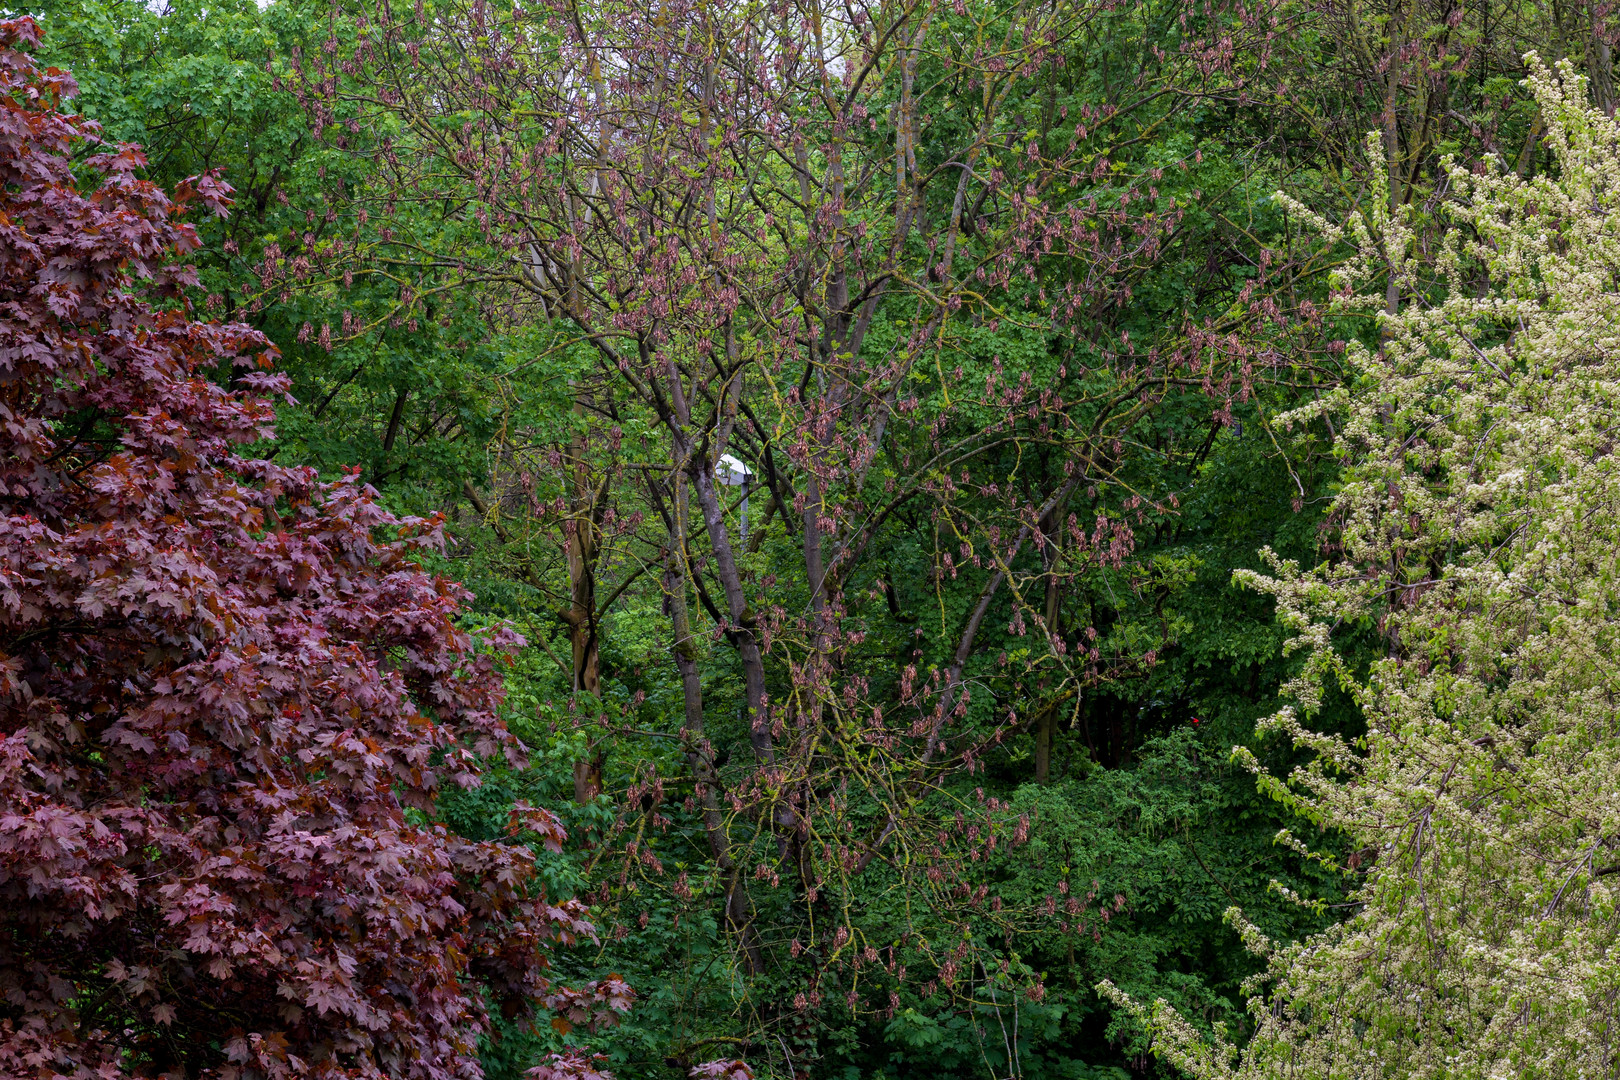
[731,472]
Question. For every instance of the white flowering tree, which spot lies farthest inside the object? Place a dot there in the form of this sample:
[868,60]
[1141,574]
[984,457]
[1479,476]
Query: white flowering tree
[1480,515]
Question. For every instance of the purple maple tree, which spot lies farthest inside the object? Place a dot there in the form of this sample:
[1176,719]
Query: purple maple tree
[228,692]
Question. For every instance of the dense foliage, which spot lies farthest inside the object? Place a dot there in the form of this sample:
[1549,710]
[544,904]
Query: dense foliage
[878,764]
[1478,531]
[227,688]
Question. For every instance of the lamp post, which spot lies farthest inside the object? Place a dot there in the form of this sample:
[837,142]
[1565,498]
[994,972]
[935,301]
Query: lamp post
[731,472]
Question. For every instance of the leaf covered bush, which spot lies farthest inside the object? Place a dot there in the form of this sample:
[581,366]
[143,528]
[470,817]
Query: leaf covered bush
[1478,533]
[229,693]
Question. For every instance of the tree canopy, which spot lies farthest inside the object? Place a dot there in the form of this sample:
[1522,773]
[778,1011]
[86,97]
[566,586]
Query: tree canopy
[797,515]
[224,695]
[1475,511]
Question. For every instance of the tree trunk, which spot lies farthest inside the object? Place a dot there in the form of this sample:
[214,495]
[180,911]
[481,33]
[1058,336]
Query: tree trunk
[1600,64]
[582,543]
[741,617]
[1392,155]
[1043,746]
[1049,626]
[739,908]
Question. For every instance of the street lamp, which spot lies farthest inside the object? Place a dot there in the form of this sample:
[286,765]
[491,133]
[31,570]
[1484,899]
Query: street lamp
[731,472]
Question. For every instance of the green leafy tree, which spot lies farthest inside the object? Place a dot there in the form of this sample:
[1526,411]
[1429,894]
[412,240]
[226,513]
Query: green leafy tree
[1478,534]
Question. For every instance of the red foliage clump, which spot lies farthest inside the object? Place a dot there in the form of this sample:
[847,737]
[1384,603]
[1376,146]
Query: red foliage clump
[228,692]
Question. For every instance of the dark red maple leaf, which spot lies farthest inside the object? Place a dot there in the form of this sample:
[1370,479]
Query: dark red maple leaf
[223,683]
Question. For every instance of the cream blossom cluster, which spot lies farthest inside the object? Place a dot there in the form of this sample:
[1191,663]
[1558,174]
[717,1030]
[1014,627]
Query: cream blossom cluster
[1480,532]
